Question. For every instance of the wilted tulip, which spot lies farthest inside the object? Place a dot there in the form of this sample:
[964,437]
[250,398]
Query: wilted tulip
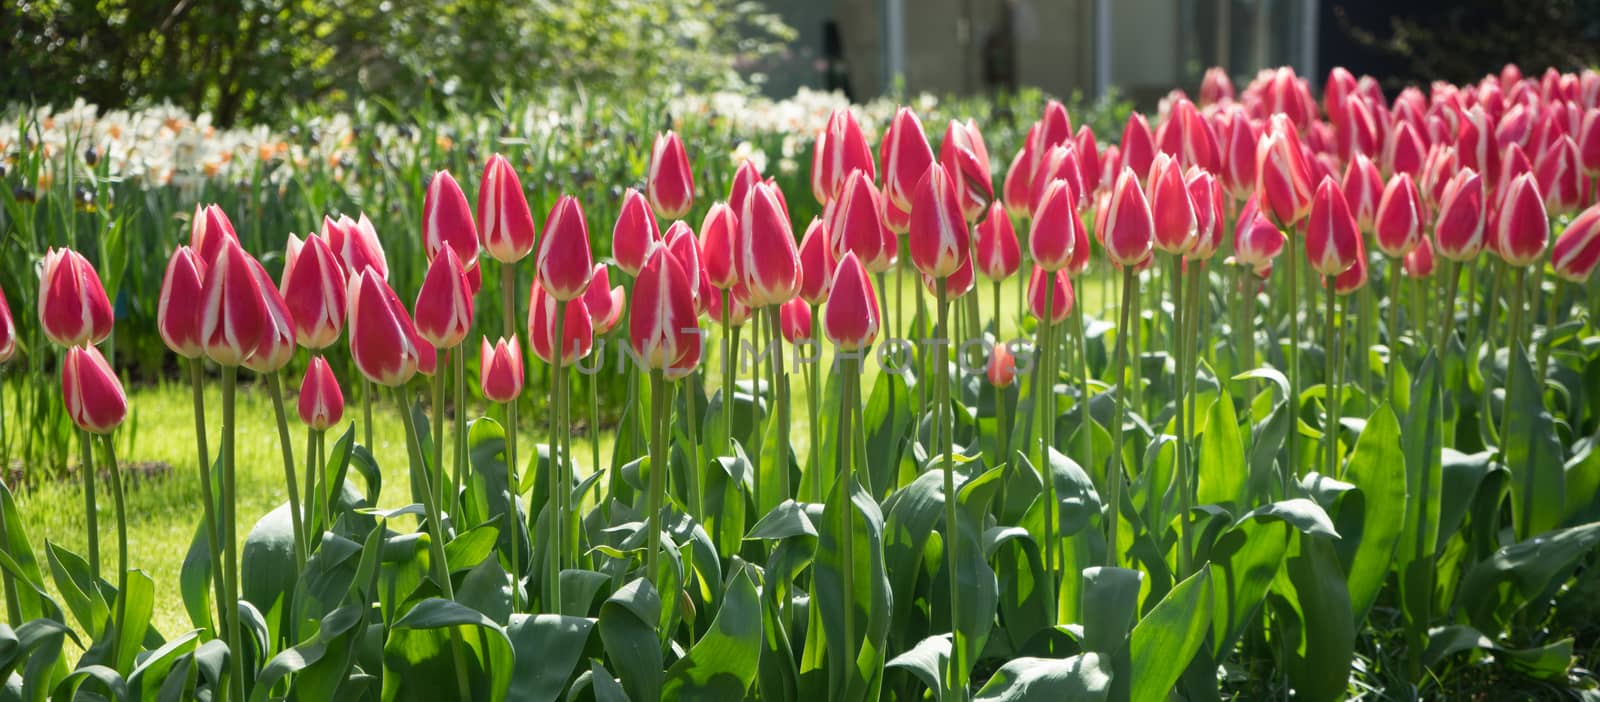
[1055,221]
[314,287]
[233,314]
[277,342]
[177,313]
[321,403]
[563,261]
[1129,229]
[444,303]
[670,182]
[938,237]
[1522,228]
[447,221]
[504,221]
[662,325]
[1061,298]
[769,261]
[1459,230]
[998,253]
[636,231]
[91,391]
[382,336]
[850,319]
[794,320]
[73,308]
[1398,225]
[1332,240]
[577,328]
[1573,257]
[816,263]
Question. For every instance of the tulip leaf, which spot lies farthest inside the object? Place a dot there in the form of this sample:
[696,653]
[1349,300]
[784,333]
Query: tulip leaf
[548,648]
[628,626]
[1372,468]
[1532,450]
[1085,677]
[722,664]
[1221,474]
[1165,639]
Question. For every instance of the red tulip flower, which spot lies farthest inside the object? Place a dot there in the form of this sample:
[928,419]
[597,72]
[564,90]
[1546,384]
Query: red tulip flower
[277,343]
[447,221]
[1256,240]
[850,320]
[91,391]
[938,237]
[1332,240]
[321,403]
[857,221]
[1088,154]
[1459,230]
[719,244]
[1353,278]
[1398,226]
[1560,175]
[1589,142]
[1206,194]
[1403,151]
[603,301]
[681,242]
[744,178]
[1420,262]
[1475,144]
[635,232]
[1060,163]
[505,223]
[1238,146]
[906,157]
[1363,188]
[996,248]
[1061,299]
[966,158]
[816,263]
[1129,228]
[1215,87]
[73,308]
[662,324]
[208,230]
[427,355]
[383,339]
[8,330]
[1171,206]
[770,263]
[563,261]
[1521,227]
[178,312]
[1283,180]
[958,283]
[500,374]
[577,328]
[1437,170]
[1053,237]
[444,303]
[233,316]
[1015,190]
[846,150]
[1002,369]
[358,247]
[794,320]
[1138,146]
[1573,257]
[670,182]
[1187,137]
[314,287]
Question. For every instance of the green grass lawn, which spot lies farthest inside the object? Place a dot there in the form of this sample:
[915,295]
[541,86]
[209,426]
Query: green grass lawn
[164,509]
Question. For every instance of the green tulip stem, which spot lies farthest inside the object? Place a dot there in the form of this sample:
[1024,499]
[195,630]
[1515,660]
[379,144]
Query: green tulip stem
[813,399]
[780,384]
[560,481]
[230,540]
[459,361]
[285,447]
[658,473]
[1330,352]
[848,379]
[121,614]
[1291,262]
[1114,472]
[213,540]
[946,420]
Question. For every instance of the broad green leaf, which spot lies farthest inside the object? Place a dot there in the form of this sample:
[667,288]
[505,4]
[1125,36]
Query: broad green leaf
[332,638]
[628,622]
[1163,642]
[1421,439]
[420,653]
[1375,467]
[927,661]
[1495,589]
[1550,661]
[548,648]
[1085,677]
[1532,450]
[1583,482]
[1244,560]
[722,664]
[267,569]
[84,597]
[16,645]
[1313,618]
[1221,469]
[137,603]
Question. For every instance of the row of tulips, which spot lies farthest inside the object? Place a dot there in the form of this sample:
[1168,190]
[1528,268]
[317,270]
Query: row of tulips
[926,531]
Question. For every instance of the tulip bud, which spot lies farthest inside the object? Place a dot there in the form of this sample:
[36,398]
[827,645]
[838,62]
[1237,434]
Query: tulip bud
[956,284]
[8,330]
[1398,226]
[1460,228]
[938,237]
[577,328]
[1589,139]
[1061,299]
[178,312]
[1002,369]
[850,320]
[1283,181]
[1475,144]
[1335,93]
[846,150]
[1560,176]
[563,261]
[500,375]
[1332,240]
[996,249]
[857,220]
[719,241]
[662,325]
[770,263]
[73,308]
[314,287]
[91,391]
[208,230]
[1187,137]
[1129,229]
[1053,237]
[427,355]
[1138,146]
[1403,151]
[504,218]
[1206,194]
[1522,229]
[681,243]
[1353,278]
[1016,189]
[357,244]
[382,336]
[737,312]
[1088,155]
[1419,263]
[321,402]
[1573,257]
[906,156]
[603,301]
[1357,131]
[794,320]
[1171,206]
[1514,127]
[447,221]
[1238,154]
[233,316]
[966,159]
[444,303]
[1215,87]
[670,182]
[635,233]
[1055,129]
[816,263]
[744,178]
[1363,187]
[1256,240]
[277,342]
[821,185]
[1060,163]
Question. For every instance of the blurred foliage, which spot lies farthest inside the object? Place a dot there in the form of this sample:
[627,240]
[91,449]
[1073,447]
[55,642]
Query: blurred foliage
[254,60]
[1460,40]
